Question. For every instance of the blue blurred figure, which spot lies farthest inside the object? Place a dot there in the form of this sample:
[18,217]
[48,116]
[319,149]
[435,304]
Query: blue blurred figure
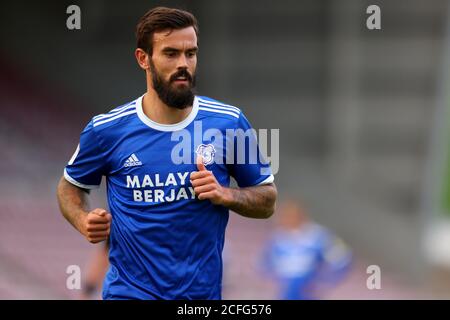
[303,256]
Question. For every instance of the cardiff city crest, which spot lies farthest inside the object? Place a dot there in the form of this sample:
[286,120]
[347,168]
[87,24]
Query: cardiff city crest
[207,152]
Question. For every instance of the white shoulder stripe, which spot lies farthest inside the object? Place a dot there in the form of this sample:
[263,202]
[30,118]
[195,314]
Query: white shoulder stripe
[119,108]
[113,113]
[220,107]
[75,154]
[218,111]
[218,104]
[120,115]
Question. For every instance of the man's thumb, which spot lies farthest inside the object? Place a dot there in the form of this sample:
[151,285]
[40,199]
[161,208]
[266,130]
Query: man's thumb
[200,165]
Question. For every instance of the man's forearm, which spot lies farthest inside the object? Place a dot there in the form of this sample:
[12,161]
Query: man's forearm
[72,203]
[94,225]
[252,202]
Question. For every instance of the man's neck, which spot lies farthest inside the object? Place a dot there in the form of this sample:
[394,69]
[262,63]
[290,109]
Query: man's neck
[159,112]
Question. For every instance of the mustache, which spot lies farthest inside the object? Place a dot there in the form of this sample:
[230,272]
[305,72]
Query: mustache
[181,73]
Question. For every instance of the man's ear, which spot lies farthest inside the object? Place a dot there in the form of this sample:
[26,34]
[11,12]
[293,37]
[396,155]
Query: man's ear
[142,58]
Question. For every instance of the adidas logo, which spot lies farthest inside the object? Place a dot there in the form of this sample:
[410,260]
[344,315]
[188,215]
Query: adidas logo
[132,161]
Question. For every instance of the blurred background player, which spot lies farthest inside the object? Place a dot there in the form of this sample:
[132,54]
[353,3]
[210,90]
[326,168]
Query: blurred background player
[95,273]
[303,257]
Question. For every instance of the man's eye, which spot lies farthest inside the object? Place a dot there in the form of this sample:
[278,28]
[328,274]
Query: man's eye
[191,54]
[171,54]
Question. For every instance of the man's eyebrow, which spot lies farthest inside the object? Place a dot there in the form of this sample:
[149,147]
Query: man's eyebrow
[170,49]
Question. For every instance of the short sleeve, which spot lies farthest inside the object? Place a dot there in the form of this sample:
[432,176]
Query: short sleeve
[87,165]
[249,167]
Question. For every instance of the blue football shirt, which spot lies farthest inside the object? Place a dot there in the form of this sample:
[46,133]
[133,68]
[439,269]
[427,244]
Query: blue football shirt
[164,242]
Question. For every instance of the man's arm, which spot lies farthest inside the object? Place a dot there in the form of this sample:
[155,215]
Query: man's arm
[93,225]
[252,202]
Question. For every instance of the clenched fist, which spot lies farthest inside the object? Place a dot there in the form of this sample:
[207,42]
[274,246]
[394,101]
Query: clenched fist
[96,225]
[206,185]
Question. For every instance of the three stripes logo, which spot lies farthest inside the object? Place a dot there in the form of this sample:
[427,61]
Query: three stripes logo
[132,161]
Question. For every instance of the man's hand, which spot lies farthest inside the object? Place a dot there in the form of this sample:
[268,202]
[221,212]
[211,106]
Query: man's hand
[96,225]
[206,186]
[93,225]
[254,202]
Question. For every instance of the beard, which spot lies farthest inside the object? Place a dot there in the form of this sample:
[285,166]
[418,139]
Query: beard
[179,98]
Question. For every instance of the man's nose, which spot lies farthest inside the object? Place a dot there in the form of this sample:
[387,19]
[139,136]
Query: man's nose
[182,62]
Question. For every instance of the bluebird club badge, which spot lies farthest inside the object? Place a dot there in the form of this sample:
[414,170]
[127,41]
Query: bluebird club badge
[207,152]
